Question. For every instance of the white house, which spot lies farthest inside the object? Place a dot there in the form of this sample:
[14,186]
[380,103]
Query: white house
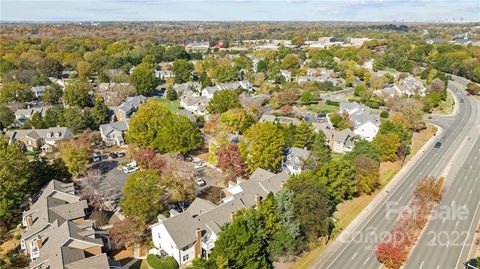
[294,160]
[210,91]
[38,91]
[193,232]
[113,133]
[365,124]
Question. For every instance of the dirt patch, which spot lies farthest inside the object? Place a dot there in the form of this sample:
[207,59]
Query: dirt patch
[9,242]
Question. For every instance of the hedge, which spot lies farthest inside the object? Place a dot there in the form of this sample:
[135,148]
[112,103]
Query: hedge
[167,262]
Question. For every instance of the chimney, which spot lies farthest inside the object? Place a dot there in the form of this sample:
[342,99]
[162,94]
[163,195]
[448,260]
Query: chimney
[197,248]
[38,243]
[258,199]
[29,222]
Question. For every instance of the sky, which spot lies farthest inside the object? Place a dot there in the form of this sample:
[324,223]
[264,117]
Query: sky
[241,10]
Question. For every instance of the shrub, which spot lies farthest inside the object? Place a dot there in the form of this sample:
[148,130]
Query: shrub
[167,262]
[332,103]
[384,114]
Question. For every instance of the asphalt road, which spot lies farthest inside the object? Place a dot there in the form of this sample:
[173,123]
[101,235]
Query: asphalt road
[357,251]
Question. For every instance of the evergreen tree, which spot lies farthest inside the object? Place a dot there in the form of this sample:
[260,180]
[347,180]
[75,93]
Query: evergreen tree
[304,136]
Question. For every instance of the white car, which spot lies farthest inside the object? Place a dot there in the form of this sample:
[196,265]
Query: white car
[200,182]
[129,169]
[200,165]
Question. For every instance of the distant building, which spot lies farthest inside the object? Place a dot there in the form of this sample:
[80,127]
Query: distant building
[22,115]
[210,91]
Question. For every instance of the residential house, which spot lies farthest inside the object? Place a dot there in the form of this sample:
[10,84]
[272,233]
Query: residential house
[194,103]
[113,134]
[287,75]
[127,108]
[365,124]
[340,141]
[210,91]
[294,160]
[193,233]
[164,74]
[57,233]
[38,91]
[280,120]
[113,93]
[186,87]
[45,139]
[22,115]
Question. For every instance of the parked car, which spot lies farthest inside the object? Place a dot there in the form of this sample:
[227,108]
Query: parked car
[438,145]
[462,101]
[200,182]
[200,164]
[120,154]
[187,158]
[129,169]
[113,155]
[96,158]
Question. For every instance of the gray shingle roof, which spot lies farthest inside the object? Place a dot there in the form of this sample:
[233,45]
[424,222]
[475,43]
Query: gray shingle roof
[183,226]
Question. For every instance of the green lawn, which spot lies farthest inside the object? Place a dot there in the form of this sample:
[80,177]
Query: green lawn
[172,105]
[321,107]
[446,107]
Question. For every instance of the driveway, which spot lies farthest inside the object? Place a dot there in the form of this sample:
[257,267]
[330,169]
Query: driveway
[112,176]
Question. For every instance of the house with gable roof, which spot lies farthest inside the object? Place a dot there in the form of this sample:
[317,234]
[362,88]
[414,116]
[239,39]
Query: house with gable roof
[57,233]
[127,108]
[45,139]
[193,232]
[114,133]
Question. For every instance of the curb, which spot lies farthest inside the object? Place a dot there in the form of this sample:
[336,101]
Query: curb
[379,198]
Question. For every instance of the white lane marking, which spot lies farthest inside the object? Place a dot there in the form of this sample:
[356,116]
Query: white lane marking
[470,192]
[465,178]
[443,220]
[410,185]
[366,260]
[448,244]
[459,189]
[466,237]
[354,255]
[421,265]
[438,266]
[456,223]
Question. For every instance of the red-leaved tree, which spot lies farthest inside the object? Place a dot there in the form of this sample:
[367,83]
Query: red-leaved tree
[230,161]
[148,159]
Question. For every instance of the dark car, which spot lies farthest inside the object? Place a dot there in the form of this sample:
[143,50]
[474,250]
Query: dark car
[113,155]
[462,101]
[438,145]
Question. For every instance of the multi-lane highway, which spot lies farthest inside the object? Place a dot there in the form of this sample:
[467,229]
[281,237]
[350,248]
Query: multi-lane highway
[459,159]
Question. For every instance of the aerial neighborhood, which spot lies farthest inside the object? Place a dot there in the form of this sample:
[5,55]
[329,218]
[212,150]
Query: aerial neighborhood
[179,145]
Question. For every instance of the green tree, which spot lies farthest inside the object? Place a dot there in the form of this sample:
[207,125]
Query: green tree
[143,195]
[52,94]
[182,69]
[242,243]
[320,152]
[289,134]
[54,116]
[307,97]
[156,127]
[13,180]
[364,148]
[387,145]
[76,118]
[100,112]
[7,117]
[15,92]
[77,94]
[310,205]
[304,136]
[290,63]
[143,79]
[339,178]
[171,94]
[43,171]
[262,146]
[75,154]
[237,119]
[36,121]
[223,101]
[366,174]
